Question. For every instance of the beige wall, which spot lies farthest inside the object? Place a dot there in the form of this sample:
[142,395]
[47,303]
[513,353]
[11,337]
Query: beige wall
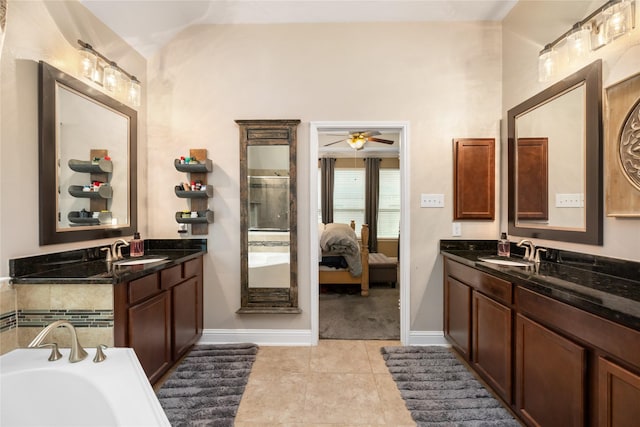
[444,79]
[47,31]
[528,27]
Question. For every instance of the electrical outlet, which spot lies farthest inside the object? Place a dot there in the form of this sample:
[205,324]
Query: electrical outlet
[569,200]
[432,200]
[456,229]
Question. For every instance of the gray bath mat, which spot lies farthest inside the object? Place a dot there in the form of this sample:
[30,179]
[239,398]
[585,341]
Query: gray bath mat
[207,386]
[439,390]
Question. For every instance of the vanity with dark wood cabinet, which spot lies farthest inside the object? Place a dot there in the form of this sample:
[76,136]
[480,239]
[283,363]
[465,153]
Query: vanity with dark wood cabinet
[558,353]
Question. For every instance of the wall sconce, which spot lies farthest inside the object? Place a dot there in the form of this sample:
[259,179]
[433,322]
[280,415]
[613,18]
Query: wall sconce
[612,20]
[101,70]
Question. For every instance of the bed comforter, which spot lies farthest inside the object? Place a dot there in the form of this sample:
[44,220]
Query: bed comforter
[340,239]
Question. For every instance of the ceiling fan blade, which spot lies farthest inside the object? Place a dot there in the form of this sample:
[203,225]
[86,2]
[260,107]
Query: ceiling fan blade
[383,141]
[334,142]
[369,133]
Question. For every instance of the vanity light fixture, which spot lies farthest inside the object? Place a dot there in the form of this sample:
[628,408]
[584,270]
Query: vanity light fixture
[101,70]
[612,20]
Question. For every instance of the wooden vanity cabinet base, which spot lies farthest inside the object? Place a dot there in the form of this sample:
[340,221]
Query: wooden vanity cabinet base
[160,316]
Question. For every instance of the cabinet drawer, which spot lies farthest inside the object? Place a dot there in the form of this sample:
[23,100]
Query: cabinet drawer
[498,289]
[171,276]
[193,267]
[144,287]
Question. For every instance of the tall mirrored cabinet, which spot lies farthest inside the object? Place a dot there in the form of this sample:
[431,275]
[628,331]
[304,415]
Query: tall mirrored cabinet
[268,246]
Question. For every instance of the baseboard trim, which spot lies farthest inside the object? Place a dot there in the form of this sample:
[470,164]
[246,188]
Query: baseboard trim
[264,337]
[299,337]
[427,338]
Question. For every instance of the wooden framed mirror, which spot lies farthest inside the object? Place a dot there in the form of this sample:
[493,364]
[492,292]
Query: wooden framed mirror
[87,161]
[268,216]
[555,161]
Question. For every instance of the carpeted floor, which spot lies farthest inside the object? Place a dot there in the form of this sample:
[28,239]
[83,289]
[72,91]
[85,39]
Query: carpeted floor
[440,391]
[345,314]
[207,386]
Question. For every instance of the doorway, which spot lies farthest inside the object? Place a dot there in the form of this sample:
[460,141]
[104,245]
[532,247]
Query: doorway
[320,135]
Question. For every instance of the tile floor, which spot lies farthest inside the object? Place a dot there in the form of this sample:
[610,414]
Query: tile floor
[338,383]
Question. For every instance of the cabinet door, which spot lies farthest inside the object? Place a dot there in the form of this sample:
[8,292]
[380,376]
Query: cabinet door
[492,343]
[474,178]
[186,329]
[457,315]
[550,377]
[150,334]
[618,395]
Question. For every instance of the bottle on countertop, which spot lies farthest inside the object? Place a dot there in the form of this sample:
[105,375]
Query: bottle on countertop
[136,246]
[504,246]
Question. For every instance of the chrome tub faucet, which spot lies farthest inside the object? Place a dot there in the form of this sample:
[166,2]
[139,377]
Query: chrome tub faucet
[77,352]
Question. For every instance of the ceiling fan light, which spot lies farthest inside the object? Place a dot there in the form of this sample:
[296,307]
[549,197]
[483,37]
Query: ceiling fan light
[357,142]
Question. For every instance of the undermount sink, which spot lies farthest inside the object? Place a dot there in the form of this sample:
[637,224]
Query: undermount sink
[511,262]
[137,261]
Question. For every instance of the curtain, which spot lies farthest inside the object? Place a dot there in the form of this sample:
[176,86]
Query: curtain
[371,199]
[327,167]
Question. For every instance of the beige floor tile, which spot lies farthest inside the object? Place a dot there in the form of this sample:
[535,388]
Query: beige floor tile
[342,398]
[387,389]
[378,365]
[340,356]
[279,400]
[274,361]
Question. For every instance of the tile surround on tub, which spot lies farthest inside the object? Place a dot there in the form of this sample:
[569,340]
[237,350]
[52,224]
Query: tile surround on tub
[8,318]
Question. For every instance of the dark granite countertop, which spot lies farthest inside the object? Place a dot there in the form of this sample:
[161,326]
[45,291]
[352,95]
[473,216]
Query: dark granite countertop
[88,266]
[603,286]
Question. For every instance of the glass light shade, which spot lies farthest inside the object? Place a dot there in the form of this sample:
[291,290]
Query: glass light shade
[578,43]
[547,64]
[88,63]
[618,20]
[111,78]
[357,143]
[134,92]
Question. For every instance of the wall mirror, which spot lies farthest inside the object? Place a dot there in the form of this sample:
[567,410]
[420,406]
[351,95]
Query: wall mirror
[555,161]
[87,161]
[268,210]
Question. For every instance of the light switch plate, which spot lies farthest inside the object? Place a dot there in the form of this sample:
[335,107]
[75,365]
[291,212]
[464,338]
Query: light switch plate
[569,200]
[456,229]
[432,200]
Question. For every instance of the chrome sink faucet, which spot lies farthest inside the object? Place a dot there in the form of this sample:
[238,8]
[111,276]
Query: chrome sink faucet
[529,249]
[77,352]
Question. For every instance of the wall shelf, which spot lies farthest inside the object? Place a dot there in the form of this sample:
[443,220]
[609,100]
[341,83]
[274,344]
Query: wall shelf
[204,217]
[202,194]
[205,167]
[104,192]
[88,166]
[198,200]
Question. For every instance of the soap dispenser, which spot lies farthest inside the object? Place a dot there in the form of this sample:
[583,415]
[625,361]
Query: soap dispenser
[136,247]
[504,246]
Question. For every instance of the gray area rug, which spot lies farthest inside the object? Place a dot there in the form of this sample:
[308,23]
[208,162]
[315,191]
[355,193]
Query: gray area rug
[207,386]
[345,314]
[440,391]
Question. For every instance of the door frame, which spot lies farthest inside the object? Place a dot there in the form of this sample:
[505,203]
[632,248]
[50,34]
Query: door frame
[405,280]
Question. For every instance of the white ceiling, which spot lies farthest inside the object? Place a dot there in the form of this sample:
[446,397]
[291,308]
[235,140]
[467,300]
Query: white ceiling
[149,24]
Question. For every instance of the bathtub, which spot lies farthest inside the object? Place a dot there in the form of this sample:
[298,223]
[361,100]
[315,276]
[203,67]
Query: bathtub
[269,269]
[115,392]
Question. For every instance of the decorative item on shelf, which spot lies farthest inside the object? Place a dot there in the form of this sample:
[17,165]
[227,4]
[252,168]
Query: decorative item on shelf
[196,190]
[613,19]
[98,68]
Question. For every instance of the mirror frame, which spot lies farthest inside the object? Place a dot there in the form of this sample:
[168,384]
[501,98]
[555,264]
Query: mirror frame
[591,75]
[48,78]
[268,300]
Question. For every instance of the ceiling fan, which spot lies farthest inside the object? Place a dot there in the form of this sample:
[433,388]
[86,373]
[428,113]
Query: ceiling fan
[357,139]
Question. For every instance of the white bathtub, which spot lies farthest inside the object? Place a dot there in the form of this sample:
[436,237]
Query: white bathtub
[115,392]
[269,269]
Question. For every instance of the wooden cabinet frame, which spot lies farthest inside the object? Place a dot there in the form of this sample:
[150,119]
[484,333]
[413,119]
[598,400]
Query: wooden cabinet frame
[474,178]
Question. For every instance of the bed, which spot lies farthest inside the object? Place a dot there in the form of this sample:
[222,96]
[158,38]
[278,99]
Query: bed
[340,241]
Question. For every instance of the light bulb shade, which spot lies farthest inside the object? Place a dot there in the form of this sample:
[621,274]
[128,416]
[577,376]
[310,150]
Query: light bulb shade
[578,43]
[111,78]
[547,64]
[357,142]
[134,92]
[88,63]
[618,20]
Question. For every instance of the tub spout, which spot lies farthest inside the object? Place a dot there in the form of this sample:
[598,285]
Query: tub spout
[77,352]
